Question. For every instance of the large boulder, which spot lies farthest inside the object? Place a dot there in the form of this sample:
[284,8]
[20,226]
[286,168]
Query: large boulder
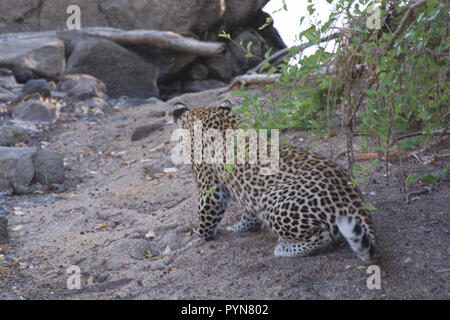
[19,15]
[169,62]
[32,58]
[35,110]
[123,72]
[195,16]
[16,166]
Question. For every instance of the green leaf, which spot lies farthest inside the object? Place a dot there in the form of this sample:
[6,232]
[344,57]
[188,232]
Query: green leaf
[370,207]
[208,192]
[268,22]
[357,169]
[148,254]
[229,167]
[224,35]
[249,45]
[411,179]
[429,179]
[267,54]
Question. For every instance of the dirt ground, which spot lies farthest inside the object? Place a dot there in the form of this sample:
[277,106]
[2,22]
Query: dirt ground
[131,233]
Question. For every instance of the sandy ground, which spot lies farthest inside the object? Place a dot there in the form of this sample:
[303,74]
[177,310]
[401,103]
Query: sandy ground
[131,234]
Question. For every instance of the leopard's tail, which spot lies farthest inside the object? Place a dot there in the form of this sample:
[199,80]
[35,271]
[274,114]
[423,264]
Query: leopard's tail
[358,239]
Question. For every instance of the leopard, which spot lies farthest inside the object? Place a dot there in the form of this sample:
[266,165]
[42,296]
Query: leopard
[308,201]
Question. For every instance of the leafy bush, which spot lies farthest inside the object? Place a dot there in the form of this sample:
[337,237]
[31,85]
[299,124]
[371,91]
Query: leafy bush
[387,81]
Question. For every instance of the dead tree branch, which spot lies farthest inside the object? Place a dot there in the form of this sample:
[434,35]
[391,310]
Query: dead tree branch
[248,79]
[284,52]
[156,38]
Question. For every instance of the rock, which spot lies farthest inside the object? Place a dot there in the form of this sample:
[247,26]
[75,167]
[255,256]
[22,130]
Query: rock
[135,102]
[16,166]
[198,71]
[97,104]
[197,16]
[40,86]
[205,98]
[238,12]
[49,168]
[23,166]
[145,131]
[6,96]
[82,86]
[94,107]
[33,58]
[6,188]
[169,63]
[9,88]
[15,15]
[131,75]
[4,236]
[7,79]
[10,135]
[202,85]
[36,111]
[233,61]
[153,100]
[157,167]
[132,102]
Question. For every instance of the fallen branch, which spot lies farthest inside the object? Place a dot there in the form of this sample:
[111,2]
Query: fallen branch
[160,39]
[392,155]
[248,79]
[416,193]
[419,133]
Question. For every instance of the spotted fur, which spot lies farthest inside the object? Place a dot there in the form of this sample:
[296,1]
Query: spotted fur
[308,202]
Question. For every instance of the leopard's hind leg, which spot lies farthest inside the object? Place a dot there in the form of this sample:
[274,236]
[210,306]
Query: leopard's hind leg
[313,242]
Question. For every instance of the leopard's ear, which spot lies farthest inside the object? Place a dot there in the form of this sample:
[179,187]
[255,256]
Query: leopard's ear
[226,105]
[179,110]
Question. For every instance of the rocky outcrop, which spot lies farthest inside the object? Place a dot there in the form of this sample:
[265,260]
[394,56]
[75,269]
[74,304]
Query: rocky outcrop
[123,72]
[146,49]
[194,16]
[33,58]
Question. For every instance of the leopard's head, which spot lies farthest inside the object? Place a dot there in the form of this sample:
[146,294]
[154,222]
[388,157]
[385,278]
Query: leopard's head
[220,118]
